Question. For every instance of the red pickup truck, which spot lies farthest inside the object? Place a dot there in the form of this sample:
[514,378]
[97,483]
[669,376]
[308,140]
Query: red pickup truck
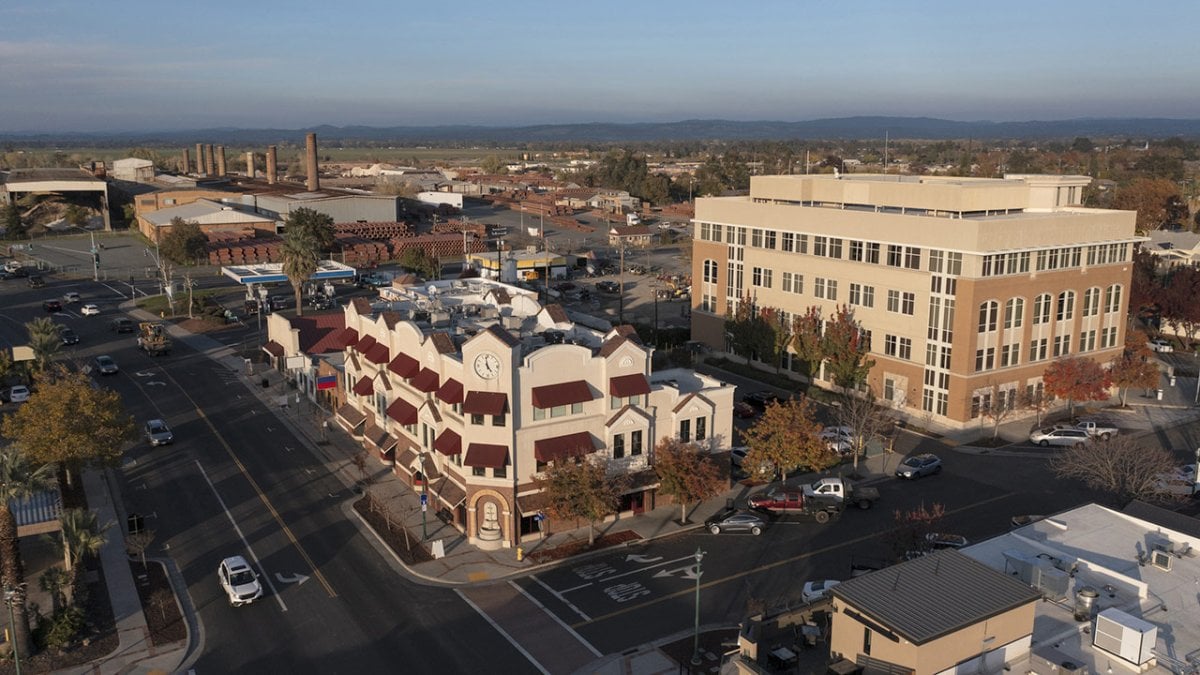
[793,501]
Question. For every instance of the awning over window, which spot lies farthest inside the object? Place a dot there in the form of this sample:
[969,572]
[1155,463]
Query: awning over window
[402,411]
[486,456]
[351,414]
[448,443]
[485,403]
[404,365]
[377,354]
[564,393]
[274,349]
[625,386]
[451,391]
[531,504]
[559,447]
[426,381]
[450,494]
[364,387]
[379,438]
[364,344]
[345,337]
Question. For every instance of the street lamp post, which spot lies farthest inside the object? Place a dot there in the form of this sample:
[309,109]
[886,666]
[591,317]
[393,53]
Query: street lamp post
[424,498]
[10,597]
[696,638]
[1196,400]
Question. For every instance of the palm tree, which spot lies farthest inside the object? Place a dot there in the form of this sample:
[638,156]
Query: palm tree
[307,234]
[82,536]
[18,480]
[45,341]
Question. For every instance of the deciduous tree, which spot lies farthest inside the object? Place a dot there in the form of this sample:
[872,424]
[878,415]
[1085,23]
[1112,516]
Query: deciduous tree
[806,338]
[1076,379]
[844,348]
[10,218]
[1135,367]
[69,421]
[866,419]
[417,260]
[787,437]
[686,472]
[184,243]
[1150,197]
[18,480]
[582,489]
[910,529]
[1120,466]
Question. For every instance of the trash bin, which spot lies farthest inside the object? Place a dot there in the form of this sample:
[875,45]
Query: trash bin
[266,383]
[1159,396]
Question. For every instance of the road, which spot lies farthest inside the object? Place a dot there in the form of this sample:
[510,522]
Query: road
[237,482]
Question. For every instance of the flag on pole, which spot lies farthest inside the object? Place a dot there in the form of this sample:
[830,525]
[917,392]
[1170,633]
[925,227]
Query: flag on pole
[327,382]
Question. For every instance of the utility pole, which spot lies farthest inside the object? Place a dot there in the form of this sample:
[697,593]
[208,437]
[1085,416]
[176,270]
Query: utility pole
[621,283]
[696,636]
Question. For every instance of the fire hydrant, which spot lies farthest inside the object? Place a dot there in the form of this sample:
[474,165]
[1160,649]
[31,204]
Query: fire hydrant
[520,554]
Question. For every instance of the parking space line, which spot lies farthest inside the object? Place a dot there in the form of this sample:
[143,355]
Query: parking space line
[560,598]
[554,616]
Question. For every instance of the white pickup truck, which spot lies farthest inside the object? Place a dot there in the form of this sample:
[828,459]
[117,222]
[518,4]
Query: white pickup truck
[837,490]
[1093,429]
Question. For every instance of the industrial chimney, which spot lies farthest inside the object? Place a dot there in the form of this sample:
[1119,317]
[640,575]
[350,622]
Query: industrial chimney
[250,165]
[271,169]
[199,159]
[314,181]
[210,160]
[186,164]
[220,160]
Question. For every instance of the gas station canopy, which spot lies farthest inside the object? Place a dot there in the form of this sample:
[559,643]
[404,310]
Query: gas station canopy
[272,273]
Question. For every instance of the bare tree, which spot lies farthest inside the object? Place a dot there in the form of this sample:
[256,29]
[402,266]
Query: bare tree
[1120,466]
[137,543]
[909,532]
[1000,404]
[866,418]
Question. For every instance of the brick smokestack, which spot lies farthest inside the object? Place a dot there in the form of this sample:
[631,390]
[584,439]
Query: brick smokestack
[199,159]
[271,169]
[210,160]
[250,165]
[186,164]
[220,160]
[310,153]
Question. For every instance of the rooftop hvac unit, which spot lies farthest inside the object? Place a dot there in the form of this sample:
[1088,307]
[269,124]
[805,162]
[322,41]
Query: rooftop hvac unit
[1018,564]
[1051,581]
[1125,636]
[1161,559]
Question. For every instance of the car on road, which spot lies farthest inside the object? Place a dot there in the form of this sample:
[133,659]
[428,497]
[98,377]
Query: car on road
[239,581]
[761,399]
[52,305]
[941,540]
[70,296]
[89,310]
[122,325]
[608,287]
[1160,345]
[158,433]
[106,365]
[68,336]
[734,520]
[36,281]
[919,466]
[18,394]
[1062,437]
[743,410]
[817,590]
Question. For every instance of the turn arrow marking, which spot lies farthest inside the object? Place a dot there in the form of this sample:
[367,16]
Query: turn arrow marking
[144,373]
[156,383]
[641,559]
[689,572]
[294,579]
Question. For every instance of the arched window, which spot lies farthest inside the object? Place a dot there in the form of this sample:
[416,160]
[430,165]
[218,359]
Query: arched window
[1091,301]
[1112,298]
[710,271]
[1014,312]
[1066,306]
[1041,309]
[987,316]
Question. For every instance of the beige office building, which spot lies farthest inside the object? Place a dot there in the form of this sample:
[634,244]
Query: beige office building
[965,285]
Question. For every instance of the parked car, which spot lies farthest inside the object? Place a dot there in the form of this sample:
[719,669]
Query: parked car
[18,394]
[1160,345]
[1093,429]
[940,540]
[239,581]
[68,336]
[89,310]
[736,455]
[36,281]
[122,325]
[817,590]
[158,433]
[838,439]
[608,287]
[106,365]
[1059,436]
[70,296]
[761,399]
[733,520]
[743,410]
[919,466]
[52,305]
[1023,520]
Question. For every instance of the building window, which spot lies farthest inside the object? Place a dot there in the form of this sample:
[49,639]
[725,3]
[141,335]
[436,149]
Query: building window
[912,257]
[761,277]
[787,242]
[819,287]
[831,289]
[820,245]
[889,389]
[1087,340]
[985,359]
[866,650]
[987,316]
[618,446]
[1014,310]
[501,472]
[1010,355]
[685,430]
[756,238]
[1037,349]
[1112,299]
[1062,345]
[893,301]
[1091,301]
[710,271]
[477,420]
[700,428]
[899,347]
[863,296]
[539,413]
[793,283]
[1066,306]
[1041,309]
[499,420]
[478,471]
[558,411]
[635,443]
[1108,337]
[895,255]
[864,252]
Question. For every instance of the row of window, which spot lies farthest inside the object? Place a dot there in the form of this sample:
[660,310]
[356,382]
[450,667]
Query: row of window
[1042,348]
[1044,304]
[1017,262]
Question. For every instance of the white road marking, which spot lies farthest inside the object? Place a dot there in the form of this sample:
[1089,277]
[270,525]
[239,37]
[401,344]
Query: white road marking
[625,574]
[293,579]
[560,598]
[257,562]
[554,616]
[501,631]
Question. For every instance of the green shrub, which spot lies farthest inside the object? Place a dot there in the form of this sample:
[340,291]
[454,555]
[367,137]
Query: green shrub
[63,628]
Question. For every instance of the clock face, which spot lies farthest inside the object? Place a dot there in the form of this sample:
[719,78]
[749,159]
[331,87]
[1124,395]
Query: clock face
[487,365]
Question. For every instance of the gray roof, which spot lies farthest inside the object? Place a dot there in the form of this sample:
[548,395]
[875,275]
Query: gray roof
[1165,518]
[40,507]
[934,595]
[1165,240]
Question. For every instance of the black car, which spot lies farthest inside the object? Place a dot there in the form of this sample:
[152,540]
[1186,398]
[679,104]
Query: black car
[761,399]
[608,287]
[734,520]
[68,336]
[52,305]
[36,281]
[121,325]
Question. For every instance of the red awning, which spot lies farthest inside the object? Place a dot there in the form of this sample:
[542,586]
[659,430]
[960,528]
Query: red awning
[364,343]
[380,438]
[402,411]
[625,386]
[551,449]
[346,337]
[274,349]
[565,393]
[448,443]
[426,381]
[364,387]
[486,456]
[377,354]
[352,415]
[404,365]
[451,391]
[485,403]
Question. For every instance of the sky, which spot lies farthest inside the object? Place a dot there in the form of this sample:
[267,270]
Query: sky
[130,65]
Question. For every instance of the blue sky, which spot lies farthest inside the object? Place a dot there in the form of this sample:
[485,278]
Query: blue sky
[82,65]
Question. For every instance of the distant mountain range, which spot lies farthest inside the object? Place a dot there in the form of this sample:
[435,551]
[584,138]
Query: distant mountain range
[848,128]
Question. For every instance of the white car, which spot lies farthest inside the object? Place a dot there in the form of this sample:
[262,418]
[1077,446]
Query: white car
[816,590]
[70,296]
[1059,436]
[838,439]
[1160,345]
[239,581]
[89,310]
[18,394]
